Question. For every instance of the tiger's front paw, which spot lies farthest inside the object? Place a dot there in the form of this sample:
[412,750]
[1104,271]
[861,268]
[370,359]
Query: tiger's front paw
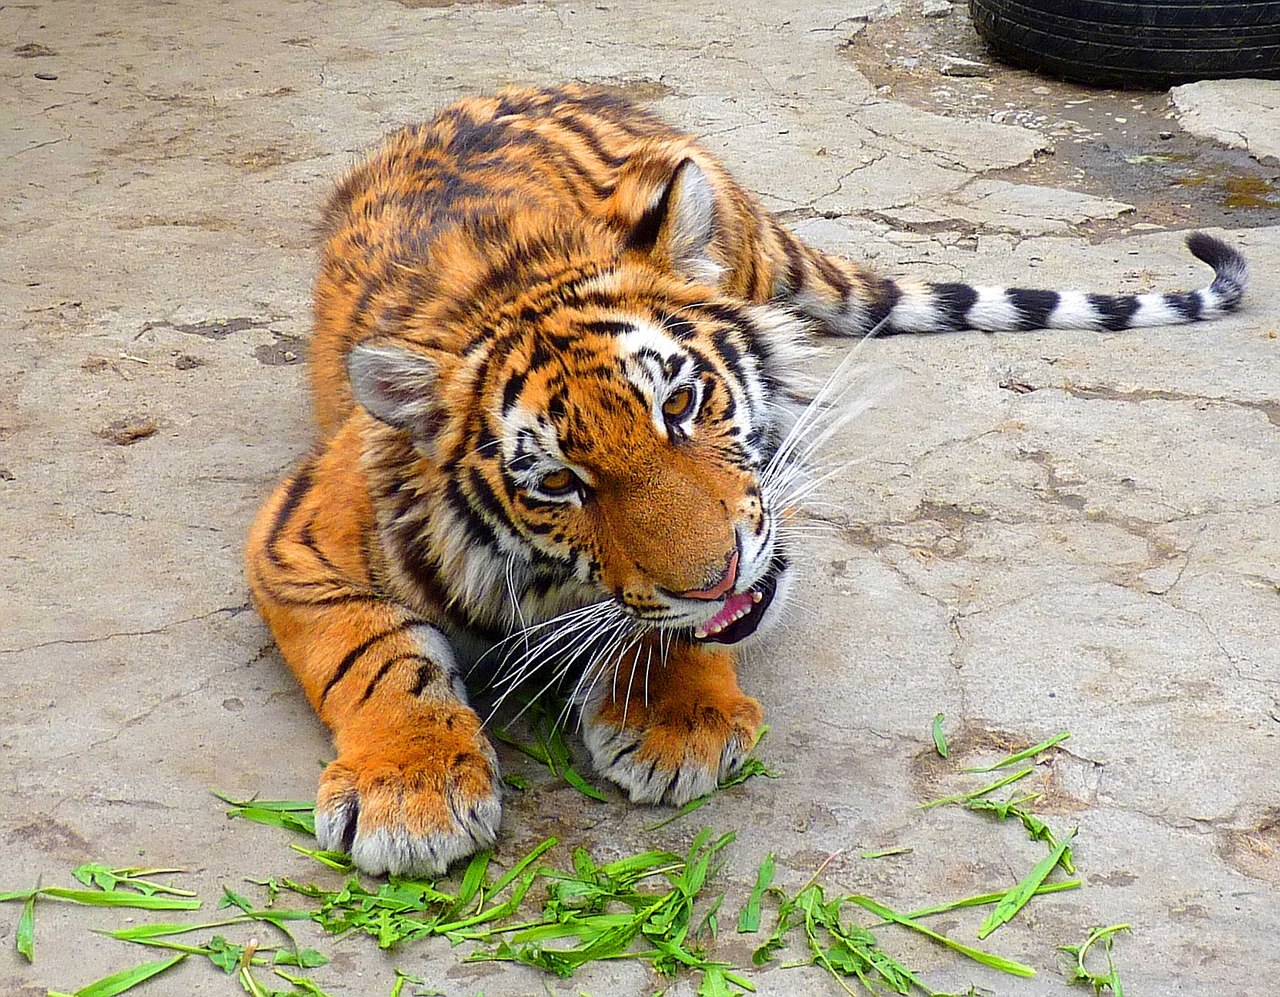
[674,750]
[411,795]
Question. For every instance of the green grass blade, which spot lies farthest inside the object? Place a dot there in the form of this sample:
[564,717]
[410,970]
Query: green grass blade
[886,852]
[751,768]
[337,861]
[26,934]
[473,878]
[250,983]
[291,815]
[939,739]
[749,919]
[989,898]
[963,797]
[988,959]
[684,811]
[402,978]
[537,753]
[144,932]
[165,943]
[126,979]
[1017,898]
[307,986]
[1080,973]
[1022,756]
[95,874]
[504,909]
[96,898]
[280,806]
[581,785]
[141,932]
[301,823]
[520,866]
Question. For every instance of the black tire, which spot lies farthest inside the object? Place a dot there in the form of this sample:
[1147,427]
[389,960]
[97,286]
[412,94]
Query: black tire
[1152,45]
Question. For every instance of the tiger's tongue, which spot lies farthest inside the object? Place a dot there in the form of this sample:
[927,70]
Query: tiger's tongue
[732,606]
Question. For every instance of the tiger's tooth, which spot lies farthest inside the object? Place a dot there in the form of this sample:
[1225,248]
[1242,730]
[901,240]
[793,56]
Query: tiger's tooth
[757,596]
[700,634]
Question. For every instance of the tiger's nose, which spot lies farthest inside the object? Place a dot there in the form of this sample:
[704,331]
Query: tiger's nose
[721,588]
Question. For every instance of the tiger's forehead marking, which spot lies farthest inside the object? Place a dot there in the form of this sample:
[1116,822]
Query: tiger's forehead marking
[622,366]
[531,442]
[650,357]
[654,364]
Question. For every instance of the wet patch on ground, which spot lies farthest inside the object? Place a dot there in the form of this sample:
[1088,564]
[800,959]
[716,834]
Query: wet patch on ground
[1124,145]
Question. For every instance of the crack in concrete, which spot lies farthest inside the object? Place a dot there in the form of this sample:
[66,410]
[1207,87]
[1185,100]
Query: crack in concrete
[840,182]
[137,718]
[33,148]
[1182,568]
[1267,406]
[232,610]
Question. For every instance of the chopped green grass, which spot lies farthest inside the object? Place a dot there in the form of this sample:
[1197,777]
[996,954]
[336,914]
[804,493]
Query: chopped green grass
[418,982]
[139,894]
[550,748]
[338,861]
[612,911]
[986,958]
[975,794]
[1022,756]
[26,933]
[939,739]
[126,979]
[749,918]
[1037,830]
[93,898]
[655,907]
[1017,898]
[1078,972]
[884,853]
[292,815]
[982,899]
[111,880]
[850,951]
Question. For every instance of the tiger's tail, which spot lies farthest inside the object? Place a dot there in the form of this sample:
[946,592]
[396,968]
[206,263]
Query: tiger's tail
[915,306]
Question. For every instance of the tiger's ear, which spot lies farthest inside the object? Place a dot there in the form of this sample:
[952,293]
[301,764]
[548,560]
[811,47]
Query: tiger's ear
[398,387]
[678,225]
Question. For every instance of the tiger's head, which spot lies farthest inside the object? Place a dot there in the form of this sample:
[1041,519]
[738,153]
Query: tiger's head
[593,420]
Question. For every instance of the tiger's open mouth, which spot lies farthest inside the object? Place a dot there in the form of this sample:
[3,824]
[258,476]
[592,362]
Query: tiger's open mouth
[742,612]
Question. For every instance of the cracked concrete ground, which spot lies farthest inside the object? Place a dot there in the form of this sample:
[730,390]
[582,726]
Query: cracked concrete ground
[1042,531]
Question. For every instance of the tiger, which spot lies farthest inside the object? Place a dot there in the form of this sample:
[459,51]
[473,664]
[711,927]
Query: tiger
[556,371]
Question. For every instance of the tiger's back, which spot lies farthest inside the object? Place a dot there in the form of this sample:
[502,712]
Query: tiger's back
[442,206]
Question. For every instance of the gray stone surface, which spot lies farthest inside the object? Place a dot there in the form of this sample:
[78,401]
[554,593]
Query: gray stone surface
[1001,206]
[1243,114]
[1041,530]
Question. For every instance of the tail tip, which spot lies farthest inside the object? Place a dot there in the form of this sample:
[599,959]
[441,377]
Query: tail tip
[1231,272]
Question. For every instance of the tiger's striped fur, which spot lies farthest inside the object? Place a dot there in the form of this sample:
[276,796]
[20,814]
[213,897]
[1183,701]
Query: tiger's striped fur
[554,344]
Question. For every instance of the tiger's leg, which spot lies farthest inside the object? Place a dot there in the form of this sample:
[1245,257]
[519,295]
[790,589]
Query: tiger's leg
[415,783]
[670,730]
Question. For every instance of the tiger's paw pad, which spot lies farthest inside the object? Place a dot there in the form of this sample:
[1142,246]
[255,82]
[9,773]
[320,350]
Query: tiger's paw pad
[673,756]
[410,817]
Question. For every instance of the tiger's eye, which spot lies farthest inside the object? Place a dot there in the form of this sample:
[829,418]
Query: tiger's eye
[678,403]
[560,482]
